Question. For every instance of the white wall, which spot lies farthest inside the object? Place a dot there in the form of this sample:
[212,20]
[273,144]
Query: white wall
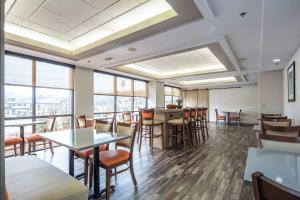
[156,94]
[233,99]
[291,109]
[270,91]
[84,91]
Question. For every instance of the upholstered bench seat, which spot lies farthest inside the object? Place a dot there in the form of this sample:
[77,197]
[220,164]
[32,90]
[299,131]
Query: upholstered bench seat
[30,178]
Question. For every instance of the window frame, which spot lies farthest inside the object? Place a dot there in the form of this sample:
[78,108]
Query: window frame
[115,95]
[172,96]
[34,88]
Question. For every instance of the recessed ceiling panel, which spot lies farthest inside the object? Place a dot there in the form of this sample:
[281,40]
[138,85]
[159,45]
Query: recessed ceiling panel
[198,61]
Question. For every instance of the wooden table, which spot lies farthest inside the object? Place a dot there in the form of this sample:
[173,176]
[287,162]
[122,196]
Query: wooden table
[22,125]
[81,139]
[281,167]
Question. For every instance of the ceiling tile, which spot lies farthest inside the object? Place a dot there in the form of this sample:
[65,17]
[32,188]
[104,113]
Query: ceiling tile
[15,19]
[52,21]
[75,10]
[97,20]
[100,5]
[121,7]
[25,8]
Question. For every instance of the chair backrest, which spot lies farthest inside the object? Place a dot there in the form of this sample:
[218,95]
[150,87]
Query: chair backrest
[104,125]
[49,125]
[267,189]
[278,142]
[284,122]
[270,115]
[289,131]
[204,112]
[146,115]
[81,121]
[6,194]
[127,117]
[193,113]
[217,112]
[186,113]
[125,129]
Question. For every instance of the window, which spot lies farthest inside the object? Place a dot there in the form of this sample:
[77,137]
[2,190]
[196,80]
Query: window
[114,93]
[104,103]
[124,104]
[171,95]
[104,84]
[124,86]
[35,89]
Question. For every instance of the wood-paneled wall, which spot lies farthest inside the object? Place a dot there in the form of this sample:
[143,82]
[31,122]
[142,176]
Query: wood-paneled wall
[195,98]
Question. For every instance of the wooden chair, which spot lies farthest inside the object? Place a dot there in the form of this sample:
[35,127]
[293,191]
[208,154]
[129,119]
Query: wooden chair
[81,121]
[204,119]
[219,117]
[194,129]
[180,129]
[34,138]
[265,115]
[267,189]
[272,129]
[284,122]
[118,157]
[278,142]
[235,117]
[15,142]
[128,119]
[146,130]
[100,126]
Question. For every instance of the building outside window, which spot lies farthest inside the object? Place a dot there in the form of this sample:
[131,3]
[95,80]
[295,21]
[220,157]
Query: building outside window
[116,94]
[36,89]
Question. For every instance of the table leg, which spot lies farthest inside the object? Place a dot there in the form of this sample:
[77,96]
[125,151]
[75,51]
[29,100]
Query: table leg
[23,142]
[96,173]
[71,162]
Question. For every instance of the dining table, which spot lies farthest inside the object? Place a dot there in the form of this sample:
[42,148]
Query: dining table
[279,166]
[227,113]
[81,139]
[22,125]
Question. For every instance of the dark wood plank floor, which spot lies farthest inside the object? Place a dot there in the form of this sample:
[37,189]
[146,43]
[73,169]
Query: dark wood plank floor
[214,170]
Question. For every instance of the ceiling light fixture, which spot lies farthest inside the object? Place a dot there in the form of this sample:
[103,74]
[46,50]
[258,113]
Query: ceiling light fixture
[276,60]
[211,80]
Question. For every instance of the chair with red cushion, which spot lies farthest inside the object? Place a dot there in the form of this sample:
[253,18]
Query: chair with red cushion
[14,141]
[34,138]
[100,126]
[114,158]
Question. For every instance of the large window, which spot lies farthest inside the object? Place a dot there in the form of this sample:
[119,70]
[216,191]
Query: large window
[114,93]
[36,89]
[171,95]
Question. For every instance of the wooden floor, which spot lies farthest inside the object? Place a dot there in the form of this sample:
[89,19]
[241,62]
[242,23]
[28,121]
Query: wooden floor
[214,170]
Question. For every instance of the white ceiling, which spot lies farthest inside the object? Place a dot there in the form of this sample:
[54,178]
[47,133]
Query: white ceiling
[250,42]
[79,22]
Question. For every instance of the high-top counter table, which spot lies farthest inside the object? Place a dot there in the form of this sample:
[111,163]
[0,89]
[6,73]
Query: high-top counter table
[164,115]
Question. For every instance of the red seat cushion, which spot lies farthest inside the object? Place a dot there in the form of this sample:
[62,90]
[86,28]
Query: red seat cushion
[88,152]
[113,157]
[33,138]
[13,140]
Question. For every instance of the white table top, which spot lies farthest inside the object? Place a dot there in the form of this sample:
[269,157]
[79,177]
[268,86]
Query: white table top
[19,124]
[282,167]
[256,128]
[83,138]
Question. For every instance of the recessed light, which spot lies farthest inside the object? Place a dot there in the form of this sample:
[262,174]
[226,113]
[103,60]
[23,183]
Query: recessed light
[276,60]
[108,58]
[89,61]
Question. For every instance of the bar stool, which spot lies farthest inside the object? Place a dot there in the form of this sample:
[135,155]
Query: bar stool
[204,120]
[194,130]
[147,124]
[180,129]
[128,119]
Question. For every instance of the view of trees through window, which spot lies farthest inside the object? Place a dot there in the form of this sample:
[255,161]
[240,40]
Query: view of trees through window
[113,93]
[30,95]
